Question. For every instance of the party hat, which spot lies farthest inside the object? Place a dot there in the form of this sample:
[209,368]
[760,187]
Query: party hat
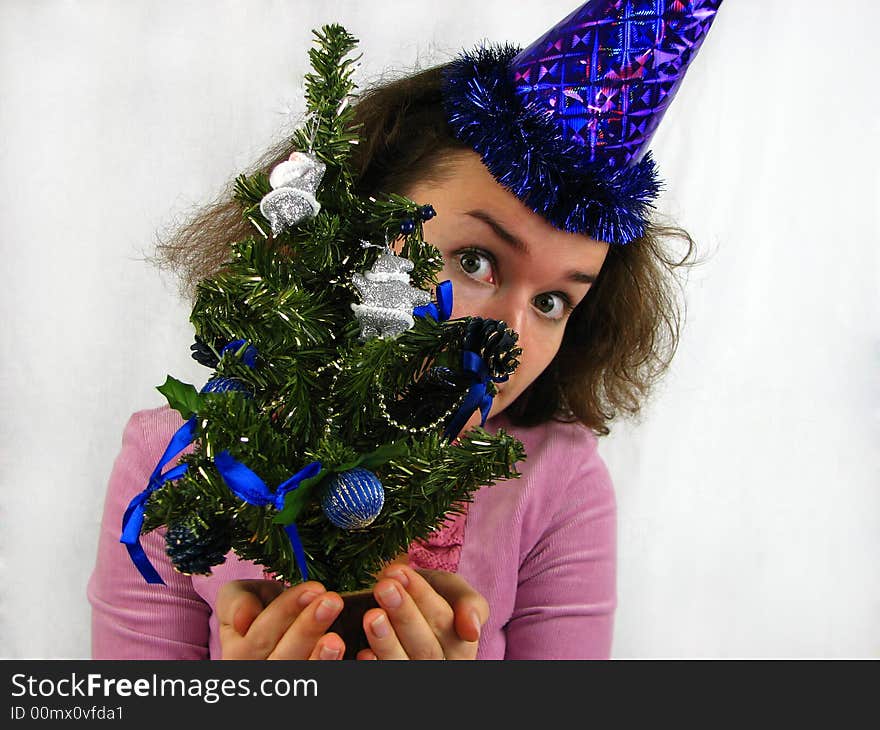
[565,123]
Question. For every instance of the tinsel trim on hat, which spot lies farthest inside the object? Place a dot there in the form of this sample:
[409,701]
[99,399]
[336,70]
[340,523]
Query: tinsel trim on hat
[522,147]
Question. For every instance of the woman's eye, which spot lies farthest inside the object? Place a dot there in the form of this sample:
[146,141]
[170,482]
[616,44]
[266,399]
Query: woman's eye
[552,305]
[475,264]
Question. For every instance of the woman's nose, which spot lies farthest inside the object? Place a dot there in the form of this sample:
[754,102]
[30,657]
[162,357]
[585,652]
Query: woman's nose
[511,312]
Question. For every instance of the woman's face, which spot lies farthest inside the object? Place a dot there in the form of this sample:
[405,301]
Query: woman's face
[506,262]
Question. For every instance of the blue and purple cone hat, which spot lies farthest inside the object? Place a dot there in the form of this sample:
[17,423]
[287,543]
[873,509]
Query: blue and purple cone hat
[565,123]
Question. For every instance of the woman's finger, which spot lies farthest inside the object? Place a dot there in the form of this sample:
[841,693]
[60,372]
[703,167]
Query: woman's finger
[383,641]
[434,606]
[329,648]
[471,609]
[240,601]
[300,637]
[254,615]
[455,610]
[416,635]
[274,620]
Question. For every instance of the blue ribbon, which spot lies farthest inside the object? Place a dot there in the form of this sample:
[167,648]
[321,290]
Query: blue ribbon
[249,357]
[246,485]
[477,395]
[444,299]
[133,519]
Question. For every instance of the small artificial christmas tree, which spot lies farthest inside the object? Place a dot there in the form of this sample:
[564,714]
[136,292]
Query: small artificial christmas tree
[326,440]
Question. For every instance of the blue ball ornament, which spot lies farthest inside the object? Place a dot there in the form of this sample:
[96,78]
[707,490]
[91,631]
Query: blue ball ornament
[407,226]
[353,499]
[426,212]
[220,384]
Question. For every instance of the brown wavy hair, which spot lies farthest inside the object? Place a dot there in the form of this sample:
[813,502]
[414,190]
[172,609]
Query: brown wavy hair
[618,341]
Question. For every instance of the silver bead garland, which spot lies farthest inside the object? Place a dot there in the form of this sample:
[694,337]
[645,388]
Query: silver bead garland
[383,409]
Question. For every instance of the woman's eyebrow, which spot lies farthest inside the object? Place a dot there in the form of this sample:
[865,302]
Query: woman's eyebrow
[519,245]
[500,231]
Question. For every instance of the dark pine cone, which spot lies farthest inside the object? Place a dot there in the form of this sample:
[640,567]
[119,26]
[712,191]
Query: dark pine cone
[426,400]
[203,354]
[495,343]
[194,551]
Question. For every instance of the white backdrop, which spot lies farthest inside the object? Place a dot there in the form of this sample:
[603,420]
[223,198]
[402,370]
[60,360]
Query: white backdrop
[748,500]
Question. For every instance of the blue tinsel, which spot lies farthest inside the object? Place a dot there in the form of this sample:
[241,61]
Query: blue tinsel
[523,149]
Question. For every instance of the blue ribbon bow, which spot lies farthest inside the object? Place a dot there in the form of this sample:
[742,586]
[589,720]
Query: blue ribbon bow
[133,519]
[444,300]
[477,395]
[246,485]
[249,357]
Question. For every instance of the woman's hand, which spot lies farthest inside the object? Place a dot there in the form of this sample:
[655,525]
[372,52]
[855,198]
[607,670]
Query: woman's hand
[425,614]
[259,619]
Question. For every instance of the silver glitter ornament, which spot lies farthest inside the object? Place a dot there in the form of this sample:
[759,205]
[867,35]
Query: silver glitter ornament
[388,297]
[294,184]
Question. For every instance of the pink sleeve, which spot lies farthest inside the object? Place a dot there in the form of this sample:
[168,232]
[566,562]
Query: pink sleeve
[132,619]
[566,598]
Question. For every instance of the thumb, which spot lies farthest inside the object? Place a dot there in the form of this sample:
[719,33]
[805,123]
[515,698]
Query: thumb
[469,620]
[239,602]
[470,608]
[246,609]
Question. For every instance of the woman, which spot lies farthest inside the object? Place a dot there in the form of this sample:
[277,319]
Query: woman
[529,572]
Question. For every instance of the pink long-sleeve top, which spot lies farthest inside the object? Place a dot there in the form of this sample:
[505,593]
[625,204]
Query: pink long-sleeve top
[540,548]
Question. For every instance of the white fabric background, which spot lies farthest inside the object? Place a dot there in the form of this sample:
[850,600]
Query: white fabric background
[748,502]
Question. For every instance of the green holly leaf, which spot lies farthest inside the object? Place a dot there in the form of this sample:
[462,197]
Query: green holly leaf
[182,397]
[296,500]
